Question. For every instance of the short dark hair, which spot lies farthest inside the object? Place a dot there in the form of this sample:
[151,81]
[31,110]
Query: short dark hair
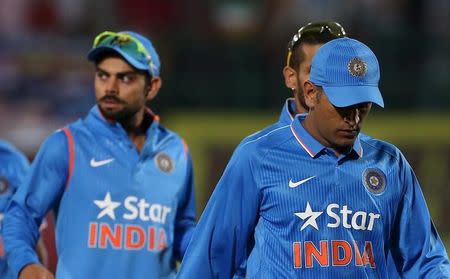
[312,33]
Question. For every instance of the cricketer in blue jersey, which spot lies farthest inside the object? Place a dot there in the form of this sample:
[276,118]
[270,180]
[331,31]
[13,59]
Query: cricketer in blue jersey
[300,51]
[13,167]
[121,183]
[314,199]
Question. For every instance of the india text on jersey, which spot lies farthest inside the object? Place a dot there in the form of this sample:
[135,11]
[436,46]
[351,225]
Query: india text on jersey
[125,235]
[336,252]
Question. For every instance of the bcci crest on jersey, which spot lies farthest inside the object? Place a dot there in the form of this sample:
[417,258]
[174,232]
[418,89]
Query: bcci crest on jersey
[164,162]
[374,180]
[127,234]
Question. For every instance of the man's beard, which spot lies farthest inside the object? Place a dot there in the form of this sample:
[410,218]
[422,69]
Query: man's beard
[299,96]
[123,116]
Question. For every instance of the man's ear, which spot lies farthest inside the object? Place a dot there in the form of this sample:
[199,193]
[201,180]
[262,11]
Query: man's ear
[309,91]
[290,78]
[153,88]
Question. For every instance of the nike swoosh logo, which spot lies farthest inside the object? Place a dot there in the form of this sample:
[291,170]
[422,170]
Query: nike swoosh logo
[298,183]
[96,164]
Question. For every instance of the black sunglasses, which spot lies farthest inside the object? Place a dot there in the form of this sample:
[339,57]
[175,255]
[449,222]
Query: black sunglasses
[327,27]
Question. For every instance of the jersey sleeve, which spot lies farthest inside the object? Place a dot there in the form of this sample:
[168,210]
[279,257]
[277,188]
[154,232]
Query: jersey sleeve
[185,220]
[17,166]
[418,249]
[223,237]
[41,189]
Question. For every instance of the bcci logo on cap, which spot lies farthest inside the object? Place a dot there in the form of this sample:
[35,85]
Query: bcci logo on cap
[374,180]
[357,67]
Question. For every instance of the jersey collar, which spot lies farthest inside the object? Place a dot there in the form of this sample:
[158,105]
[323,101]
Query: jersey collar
[113,128]
[288,112]
[310,144]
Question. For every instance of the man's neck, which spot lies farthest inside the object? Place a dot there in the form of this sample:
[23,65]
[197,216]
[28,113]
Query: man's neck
[136,128]
[338,150]
[299,108]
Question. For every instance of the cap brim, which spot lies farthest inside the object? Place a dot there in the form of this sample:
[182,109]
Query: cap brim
[345,96]
[96,52]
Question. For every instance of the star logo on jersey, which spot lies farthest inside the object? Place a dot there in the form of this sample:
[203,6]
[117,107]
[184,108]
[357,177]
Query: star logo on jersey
[310,217]
[107,206]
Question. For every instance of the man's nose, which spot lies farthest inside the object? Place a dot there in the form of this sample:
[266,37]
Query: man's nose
[353,116]
[112,85]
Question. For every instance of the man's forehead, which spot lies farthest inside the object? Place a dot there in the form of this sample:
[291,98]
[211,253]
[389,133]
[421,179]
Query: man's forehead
[116,65]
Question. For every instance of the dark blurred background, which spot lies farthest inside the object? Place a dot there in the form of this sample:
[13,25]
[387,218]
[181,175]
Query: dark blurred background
[215,54]
[221,70]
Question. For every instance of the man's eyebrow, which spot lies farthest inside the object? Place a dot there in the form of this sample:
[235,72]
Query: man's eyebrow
[99,69]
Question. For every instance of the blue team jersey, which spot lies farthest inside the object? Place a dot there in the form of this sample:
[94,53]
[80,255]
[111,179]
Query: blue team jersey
[289,208]
[120,213]
[287,114]
[13,167]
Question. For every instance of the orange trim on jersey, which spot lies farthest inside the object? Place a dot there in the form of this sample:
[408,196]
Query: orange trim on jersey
[154,116]
[185,147]
[71,154]
[309,151]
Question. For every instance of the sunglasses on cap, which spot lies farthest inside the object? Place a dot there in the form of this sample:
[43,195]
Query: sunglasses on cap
[128,44]
[329,27]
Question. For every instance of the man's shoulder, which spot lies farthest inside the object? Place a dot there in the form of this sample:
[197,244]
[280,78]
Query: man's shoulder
[167,136]
[7,149]
[371,144]
[166,132]
[264,140]
[267,132]
[79,124]
[11,152]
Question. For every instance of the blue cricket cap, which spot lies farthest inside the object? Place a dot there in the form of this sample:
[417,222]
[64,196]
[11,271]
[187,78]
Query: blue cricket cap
[130,54]
[348,72]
